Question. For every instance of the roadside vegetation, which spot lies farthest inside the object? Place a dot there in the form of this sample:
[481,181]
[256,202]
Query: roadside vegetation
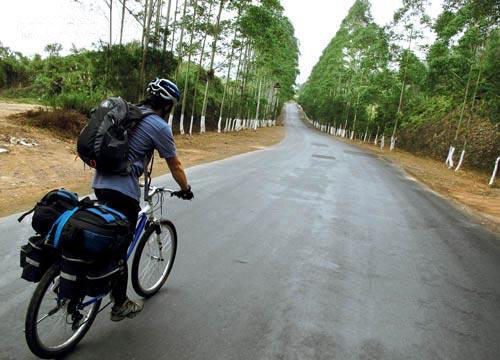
[391,86]
[233,60]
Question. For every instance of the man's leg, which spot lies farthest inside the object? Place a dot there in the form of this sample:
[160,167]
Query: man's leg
[130,208]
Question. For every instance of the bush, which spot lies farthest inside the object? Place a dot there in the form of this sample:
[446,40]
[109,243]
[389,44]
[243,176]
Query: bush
[64,123]
[80,102]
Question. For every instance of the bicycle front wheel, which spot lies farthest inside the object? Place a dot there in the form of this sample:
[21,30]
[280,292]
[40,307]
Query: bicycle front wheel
[51,329]
[154,258]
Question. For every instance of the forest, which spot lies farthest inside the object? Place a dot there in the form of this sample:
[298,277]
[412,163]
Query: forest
[232,60]
[393,84]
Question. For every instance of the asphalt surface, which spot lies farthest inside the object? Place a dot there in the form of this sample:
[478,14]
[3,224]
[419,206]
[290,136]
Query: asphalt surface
[311,249]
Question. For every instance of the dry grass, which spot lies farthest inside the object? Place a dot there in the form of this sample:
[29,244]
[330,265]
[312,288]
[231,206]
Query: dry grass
[67,124]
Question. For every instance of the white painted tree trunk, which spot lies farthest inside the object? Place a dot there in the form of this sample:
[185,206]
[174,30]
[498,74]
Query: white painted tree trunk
[366,135]
[181,125]
[352,134]
[393,143]
[460,161]
[202,124]
[219,124]
[376,140]
[258,101]
[382,143]
[170,119]
[449,159]
[191,125]
[495,170]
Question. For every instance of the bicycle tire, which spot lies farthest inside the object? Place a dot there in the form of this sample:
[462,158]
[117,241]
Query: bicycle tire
[31,332]
[139,289]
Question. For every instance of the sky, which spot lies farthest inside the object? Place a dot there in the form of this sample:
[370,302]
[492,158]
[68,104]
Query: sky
[28,25]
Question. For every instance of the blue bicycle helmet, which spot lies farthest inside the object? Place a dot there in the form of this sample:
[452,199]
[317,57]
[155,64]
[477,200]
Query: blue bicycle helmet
[164,89]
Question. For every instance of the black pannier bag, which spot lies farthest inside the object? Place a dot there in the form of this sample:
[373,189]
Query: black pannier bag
[49,208]
[36,258]
[73,270]
[101,275]
[103,142]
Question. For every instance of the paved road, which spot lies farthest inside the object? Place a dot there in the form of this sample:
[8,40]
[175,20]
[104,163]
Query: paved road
[310,249]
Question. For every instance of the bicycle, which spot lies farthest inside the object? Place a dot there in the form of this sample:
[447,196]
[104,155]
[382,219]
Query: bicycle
[76,320]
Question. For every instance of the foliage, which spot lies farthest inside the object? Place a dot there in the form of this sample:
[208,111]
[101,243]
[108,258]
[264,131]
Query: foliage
[456,82]
[260,36]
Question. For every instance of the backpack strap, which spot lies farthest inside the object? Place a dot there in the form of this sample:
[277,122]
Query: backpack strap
[59,224]
[25,214]
[65,193]
[113,211]
[107,213]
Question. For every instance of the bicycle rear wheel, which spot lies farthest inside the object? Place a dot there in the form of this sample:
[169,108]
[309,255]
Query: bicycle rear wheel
[154,258]
[50,330]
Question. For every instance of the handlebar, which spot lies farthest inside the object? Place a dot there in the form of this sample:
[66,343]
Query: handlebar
[154,190]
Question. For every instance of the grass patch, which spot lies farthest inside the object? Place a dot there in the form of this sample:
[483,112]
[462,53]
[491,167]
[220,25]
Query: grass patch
[19,96]
[67,124]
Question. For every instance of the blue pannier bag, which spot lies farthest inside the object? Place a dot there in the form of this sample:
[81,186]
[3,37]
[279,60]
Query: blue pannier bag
[93,229]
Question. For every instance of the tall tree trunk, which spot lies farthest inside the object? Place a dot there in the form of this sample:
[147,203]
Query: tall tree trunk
[148,14]
[186,81]
[471,112]
[165,31]
[355,117]
[157,23]
[244,80]
[144,21]
[258,105]
[227,78]
[110,23]
[466,95]
[234,89]
[123,19]
[200,64]
[211,68]
[180,52]
[174,25]
[403,84]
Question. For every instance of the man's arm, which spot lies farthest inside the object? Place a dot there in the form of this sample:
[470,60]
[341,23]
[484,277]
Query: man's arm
[175,166]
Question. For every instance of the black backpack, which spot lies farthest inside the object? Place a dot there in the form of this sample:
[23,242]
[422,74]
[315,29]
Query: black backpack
[103,142]
[49,208]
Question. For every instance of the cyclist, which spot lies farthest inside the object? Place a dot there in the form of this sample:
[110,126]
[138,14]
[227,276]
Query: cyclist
[123,192]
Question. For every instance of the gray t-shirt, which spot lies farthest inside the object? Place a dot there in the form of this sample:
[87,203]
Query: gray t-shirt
[149,134]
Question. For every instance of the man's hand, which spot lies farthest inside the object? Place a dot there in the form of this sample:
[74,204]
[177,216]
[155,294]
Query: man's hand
[184,194]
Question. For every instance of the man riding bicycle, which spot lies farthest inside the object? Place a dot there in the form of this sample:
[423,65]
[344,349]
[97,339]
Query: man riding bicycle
[123,192]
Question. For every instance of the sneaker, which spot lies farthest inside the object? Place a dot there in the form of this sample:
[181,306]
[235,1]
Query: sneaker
[129,309]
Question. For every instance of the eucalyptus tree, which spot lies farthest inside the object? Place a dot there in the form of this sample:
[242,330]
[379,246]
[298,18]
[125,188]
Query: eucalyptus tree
[180,50]
[122,21]
[210,75]
[166,27]
[174,26]
[408,25]
[188,65]
[200,63]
